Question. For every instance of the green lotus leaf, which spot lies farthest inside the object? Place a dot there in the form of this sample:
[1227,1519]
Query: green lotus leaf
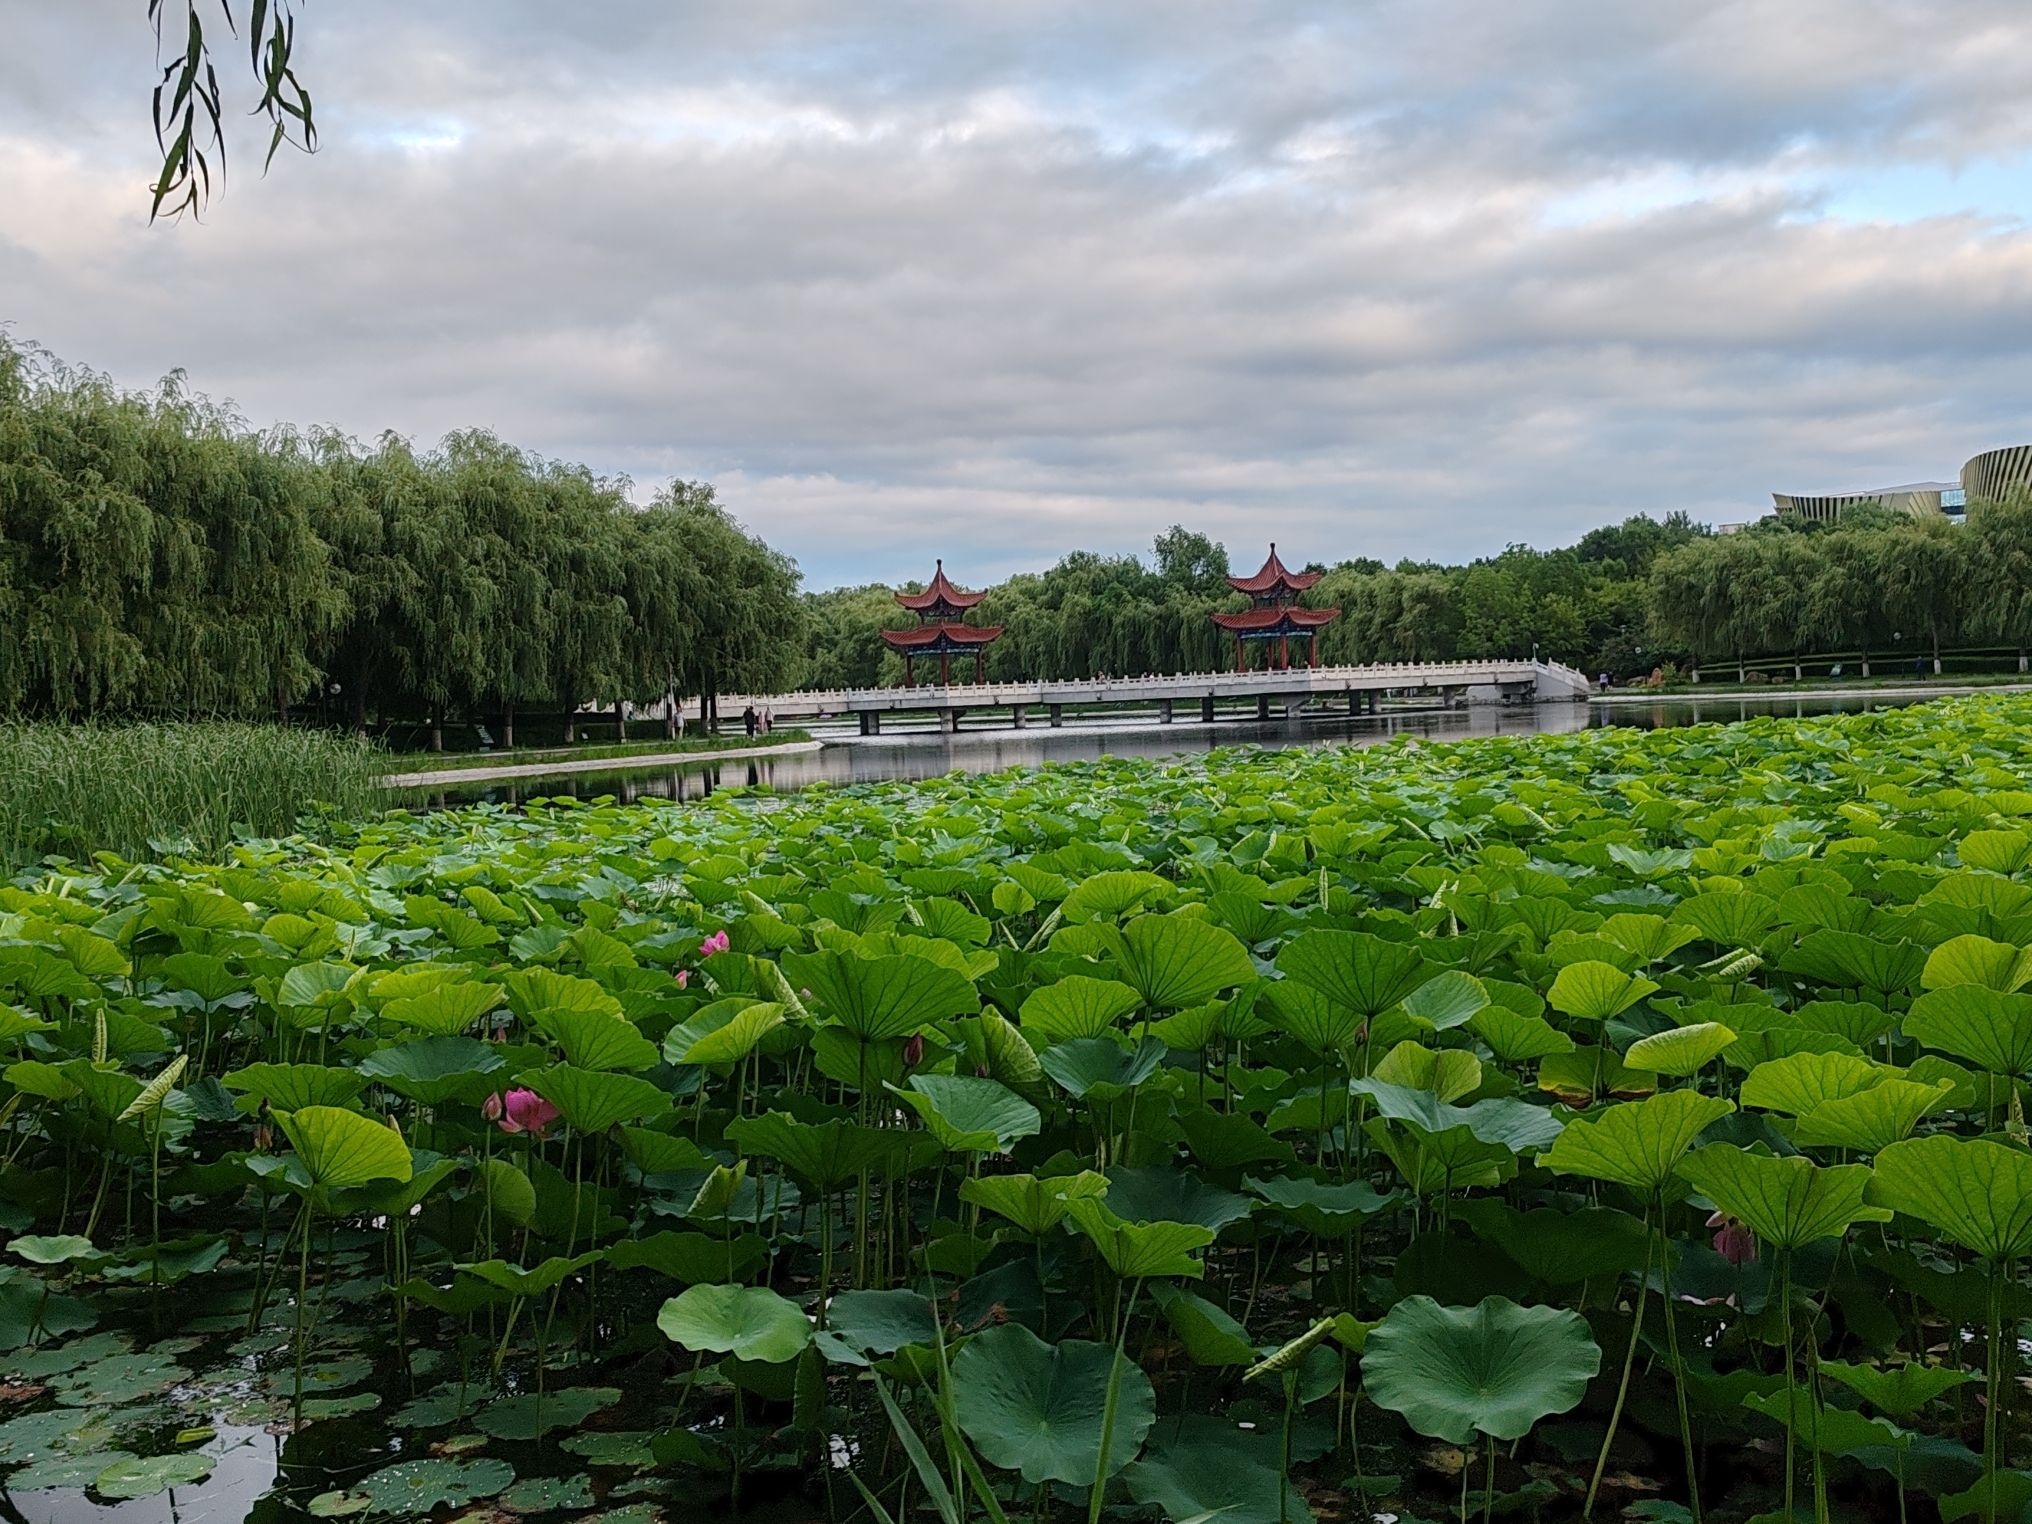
[749,1322]
[444,1010]
[1331,1211]
[416,1487]
[1990,1029]
[880,997]
[693,1258]
[1977,1192]
[534,993]
[1495,1368]
[529,1415]
[1996,851]
[1448,999]
[1321,1024]
[435,1070]
[52,1249]
[1785,1202]
[1359,972]
[1110,896]
[596,1040]
[1998,966]
[1899,1390]
[724,1042]
[864,1323]
[1638,1144]
[292,1087]
[1560,1248]
[1517,1126]
[66,1470]
[826,1154]
[532,1281]
[1036,1206]
[969,1115]
[1833,1430]
[1208,1334]
[1100,1067]
[1594,991]
[1853,960]
[1161,1193]
[1728,918]
[1038,1409]
[1078,1005]
[339,1149]
[1799,1082]
[1202,1470]
[1178,960]
[994,1044]
[1140,1249]
[134,1477]
[1860,1022]
[1516,1038]
[1681,1052]
[592,1101]
[1874,1119]
[1449,1073]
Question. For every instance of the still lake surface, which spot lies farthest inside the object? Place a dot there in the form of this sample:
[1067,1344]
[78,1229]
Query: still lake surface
[925,753]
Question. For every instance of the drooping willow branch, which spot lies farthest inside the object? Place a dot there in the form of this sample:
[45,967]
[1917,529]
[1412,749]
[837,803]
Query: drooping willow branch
[189,102]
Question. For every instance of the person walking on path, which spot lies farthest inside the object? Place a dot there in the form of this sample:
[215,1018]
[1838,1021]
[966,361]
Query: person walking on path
[749,720]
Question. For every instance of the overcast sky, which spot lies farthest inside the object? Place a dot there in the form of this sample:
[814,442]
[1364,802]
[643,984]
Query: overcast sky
[996,281]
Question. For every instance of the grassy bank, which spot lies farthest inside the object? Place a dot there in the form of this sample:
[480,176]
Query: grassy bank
[141,789]
[445,762]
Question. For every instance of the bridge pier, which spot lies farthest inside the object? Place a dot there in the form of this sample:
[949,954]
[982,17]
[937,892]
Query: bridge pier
[1164,711]
[1262,706]
[949,721]
[1206,710]
[1019,717]
[1057,715]
[871,722]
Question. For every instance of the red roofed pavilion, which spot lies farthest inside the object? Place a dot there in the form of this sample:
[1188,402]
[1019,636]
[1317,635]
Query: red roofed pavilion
[941,629]
[1274,613]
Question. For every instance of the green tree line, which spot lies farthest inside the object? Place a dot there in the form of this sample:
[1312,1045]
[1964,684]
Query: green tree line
[160,557]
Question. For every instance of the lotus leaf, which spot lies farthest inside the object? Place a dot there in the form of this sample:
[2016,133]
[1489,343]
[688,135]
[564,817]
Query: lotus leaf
[1037,1409]
[1495,1368]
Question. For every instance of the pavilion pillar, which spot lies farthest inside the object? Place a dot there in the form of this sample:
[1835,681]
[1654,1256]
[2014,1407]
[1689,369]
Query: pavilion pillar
[1238,655]
[1057,715]
[1206,710]
[1164,711]
[980,667]
[909,672]
[945,669]
[1283,653]
[1312,652]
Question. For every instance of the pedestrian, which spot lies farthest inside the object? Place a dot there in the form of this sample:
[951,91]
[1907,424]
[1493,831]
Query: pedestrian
[1604,681]
[750,719]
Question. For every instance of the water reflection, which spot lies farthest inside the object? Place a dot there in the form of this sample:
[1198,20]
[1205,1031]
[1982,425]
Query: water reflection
[925,753]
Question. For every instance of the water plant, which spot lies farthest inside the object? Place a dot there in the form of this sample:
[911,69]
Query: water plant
[1624,1113]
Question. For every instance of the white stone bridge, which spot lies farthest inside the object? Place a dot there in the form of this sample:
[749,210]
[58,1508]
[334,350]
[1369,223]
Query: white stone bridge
[1313,690]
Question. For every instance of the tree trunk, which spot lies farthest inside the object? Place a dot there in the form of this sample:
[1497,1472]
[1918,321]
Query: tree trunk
[669,715]
[508,725]
[571,719]
[1866,664]
[1936,653]
[436,733]
[281,702]
[358,699]
[2021,658]
[620,719]
[1741,675]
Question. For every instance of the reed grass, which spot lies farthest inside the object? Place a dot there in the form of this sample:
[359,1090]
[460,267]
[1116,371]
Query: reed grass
[149,790]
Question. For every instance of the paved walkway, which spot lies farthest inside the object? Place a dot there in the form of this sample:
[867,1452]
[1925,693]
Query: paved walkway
[450,775]
[1786,692]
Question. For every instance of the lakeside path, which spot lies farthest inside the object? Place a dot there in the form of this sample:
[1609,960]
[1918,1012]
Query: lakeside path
[592,765]
[1785,693]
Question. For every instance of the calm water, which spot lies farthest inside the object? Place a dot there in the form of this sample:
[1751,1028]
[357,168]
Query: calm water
[924,753]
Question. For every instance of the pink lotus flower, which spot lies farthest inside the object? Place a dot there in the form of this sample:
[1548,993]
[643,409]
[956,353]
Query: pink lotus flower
[718,942]
[683,978]
[913,1051]
[1733,1242]
[520,1111]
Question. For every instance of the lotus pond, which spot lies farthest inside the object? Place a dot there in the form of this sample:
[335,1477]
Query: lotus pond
[1617,1124]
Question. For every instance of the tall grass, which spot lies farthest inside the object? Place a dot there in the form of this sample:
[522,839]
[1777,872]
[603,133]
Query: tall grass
[146,789]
